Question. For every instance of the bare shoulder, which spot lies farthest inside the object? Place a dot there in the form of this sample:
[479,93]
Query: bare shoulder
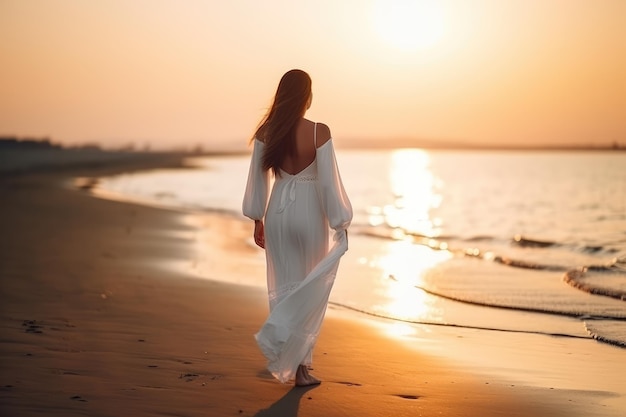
[323,134]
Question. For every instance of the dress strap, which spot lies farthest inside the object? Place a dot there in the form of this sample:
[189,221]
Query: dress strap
[315,134]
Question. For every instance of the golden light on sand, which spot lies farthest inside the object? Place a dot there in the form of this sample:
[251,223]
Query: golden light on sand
[403,266]
[409,24]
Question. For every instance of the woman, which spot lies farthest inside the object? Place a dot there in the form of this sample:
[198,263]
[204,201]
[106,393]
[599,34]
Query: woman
[307,197]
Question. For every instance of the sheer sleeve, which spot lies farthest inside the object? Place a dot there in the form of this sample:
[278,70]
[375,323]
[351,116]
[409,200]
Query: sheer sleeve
[255,197]
[335,202]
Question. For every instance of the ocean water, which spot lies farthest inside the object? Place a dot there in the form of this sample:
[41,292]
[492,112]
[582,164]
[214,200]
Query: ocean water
[529,242]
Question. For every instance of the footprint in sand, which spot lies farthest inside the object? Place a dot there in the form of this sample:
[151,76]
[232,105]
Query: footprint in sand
[32,326]
[350,384]
[78,398]
[188,377]
[408,397]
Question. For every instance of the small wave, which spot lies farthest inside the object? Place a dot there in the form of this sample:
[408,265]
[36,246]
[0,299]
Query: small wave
[524,242]
[576,314]
[599,268]
[606,281]
[443,243]
[604,339]
[503,260]
[593,248]
[420,236]
[516,263]
[438,243]
[532,243]
[607,331]
[462,326]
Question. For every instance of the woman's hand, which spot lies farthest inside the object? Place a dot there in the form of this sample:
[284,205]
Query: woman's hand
[259,233]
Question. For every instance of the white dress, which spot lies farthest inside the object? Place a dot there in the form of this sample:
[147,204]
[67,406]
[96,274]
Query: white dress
[300,267]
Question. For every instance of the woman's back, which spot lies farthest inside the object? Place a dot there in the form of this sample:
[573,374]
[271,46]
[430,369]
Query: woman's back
[308,135]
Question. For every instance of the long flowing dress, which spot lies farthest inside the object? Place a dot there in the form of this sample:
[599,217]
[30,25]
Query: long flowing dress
[301,268]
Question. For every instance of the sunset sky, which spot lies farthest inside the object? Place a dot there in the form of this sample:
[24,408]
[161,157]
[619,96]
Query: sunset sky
[169,73]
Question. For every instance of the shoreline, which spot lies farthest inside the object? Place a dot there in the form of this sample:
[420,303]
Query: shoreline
[126,334]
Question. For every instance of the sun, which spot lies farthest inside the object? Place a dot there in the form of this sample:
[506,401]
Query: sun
[409,24]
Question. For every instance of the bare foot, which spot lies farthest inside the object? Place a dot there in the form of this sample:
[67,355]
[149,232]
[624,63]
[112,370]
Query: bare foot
[304,378]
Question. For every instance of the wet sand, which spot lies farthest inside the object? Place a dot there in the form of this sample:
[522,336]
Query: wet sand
[102,315]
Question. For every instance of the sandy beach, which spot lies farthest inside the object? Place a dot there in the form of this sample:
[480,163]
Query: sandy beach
[100,318]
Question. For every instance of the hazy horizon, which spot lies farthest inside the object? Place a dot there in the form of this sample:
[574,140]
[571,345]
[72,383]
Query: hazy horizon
[164,74]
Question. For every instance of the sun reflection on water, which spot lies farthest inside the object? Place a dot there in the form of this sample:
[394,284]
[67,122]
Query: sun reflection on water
[405,262]
[413,187]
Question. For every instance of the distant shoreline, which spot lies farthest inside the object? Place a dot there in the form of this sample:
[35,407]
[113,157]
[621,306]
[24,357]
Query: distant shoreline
[27,161]
[23,154]
[431,145]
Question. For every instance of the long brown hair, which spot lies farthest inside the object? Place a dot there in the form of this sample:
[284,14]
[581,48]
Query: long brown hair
[278,128]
